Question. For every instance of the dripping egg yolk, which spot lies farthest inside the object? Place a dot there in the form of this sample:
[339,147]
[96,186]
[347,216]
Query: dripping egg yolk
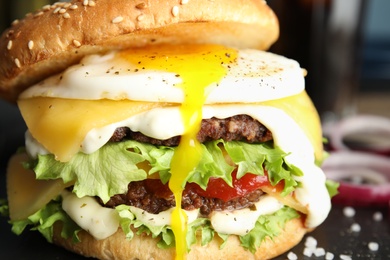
[198,67]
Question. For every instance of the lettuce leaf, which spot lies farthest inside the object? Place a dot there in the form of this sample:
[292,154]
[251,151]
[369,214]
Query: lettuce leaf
[4,209]
[332,187]
[251,157]
[107,171]
[267,226]
[44,219]
[104,173]
[212,164]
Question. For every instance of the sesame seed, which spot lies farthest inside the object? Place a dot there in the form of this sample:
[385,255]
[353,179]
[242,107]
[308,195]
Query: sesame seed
[67,5]
[76,43]
[183,2]
[38,14]
[85,2]
[62,11]
[140,6]
[140,17]
[117,19]
[9,45]
[91,3]
[61,4]
[46,8]
[73,7]
[30,45]
[66,15]
[56,10]
[9,33]
[15,22]
[17,63]
[175,10]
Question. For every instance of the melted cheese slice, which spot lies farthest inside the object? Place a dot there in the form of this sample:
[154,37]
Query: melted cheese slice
[26,195]
[42,118]
[61,125]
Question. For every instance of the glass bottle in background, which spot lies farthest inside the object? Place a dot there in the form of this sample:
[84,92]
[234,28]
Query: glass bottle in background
[325,37]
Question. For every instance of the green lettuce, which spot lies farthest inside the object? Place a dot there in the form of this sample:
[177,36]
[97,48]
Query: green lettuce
[332,187]
[267,226]
[107,171]
[44,219]
[4,209]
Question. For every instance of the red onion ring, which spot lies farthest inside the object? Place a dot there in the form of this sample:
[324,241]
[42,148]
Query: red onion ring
[370,127]
[346,166]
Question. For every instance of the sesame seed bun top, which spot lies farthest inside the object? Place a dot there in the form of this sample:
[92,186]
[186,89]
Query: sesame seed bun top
[52,38]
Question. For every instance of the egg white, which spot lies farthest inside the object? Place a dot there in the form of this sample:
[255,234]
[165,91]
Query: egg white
[256,76]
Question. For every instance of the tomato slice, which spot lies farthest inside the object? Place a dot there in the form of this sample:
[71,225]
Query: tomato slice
[218,188]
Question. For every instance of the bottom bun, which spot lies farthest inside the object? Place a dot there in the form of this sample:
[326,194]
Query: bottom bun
[144,247]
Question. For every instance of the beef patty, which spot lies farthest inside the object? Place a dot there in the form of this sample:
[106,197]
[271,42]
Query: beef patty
[235,128]
[154,197]
[154,200]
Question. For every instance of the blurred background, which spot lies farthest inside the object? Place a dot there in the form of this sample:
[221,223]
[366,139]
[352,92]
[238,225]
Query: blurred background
[345,46]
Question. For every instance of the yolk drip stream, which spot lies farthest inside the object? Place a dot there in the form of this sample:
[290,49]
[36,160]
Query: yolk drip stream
[198,66]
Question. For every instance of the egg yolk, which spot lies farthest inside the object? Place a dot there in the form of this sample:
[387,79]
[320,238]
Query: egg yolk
[198,66]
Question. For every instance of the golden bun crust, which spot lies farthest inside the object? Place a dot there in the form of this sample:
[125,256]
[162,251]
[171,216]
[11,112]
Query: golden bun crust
[49,40]
[145,248]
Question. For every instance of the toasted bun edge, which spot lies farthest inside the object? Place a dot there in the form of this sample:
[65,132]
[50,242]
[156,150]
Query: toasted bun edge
[51,39]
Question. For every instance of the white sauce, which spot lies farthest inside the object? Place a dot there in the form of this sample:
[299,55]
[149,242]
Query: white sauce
[240,222]
[99,221]
[33,147]
[102,222]
[161,219]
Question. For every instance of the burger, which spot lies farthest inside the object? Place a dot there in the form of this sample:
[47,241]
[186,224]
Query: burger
[161,130]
